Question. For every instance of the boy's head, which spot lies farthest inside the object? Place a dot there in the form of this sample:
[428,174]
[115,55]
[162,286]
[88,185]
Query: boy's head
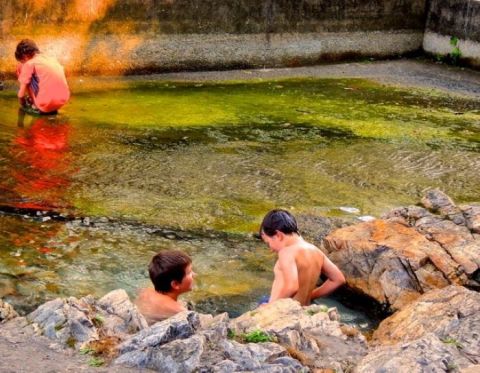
[278,220]
[26,49]
[171,270]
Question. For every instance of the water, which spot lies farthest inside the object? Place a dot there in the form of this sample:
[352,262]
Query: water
[207,161]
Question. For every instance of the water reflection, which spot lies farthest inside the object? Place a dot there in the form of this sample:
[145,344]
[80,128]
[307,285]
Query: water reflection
[41,165]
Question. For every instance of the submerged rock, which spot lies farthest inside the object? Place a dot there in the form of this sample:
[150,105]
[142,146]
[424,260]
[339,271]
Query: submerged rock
[410,251]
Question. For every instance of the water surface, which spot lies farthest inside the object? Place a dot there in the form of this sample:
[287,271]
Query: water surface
[208,161]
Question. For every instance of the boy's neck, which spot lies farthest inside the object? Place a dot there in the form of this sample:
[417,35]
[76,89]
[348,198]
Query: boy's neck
[171,294]
[291,239]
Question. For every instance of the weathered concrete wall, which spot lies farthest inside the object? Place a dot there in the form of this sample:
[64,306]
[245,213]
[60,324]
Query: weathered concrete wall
[118,36]
[454,18]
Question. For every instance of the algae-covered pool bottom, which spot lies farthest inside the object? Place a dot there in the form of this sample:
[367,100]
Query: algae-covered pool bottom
[195,157]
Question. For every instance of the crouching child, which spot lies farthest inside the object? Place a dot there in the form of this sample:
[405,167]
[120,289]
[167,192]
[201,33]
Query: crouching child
[43,86]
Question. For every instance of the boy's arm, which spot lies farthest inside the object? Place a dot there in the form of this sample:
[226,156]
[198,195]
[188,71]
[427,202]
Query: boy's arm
[335,279]
[21,93]
[285,284]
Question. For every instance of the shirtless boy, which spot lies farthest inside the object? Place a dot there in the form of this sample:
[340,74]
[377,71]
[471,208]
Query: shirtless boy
[299,263]
[171,274]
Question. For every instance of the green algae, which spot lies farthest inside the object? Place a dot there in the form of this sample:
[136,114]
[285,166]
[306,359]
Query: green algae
[219,155]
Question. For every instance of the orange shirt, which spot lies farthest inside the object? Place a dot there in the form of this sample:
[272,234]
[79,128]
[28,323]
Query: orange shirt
[46,82]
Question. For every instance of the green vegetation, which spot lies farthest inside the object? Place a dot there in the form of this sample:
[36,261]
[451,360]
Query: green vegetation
[314,310]
[255,336]
[452,341]
[86,351]
[71,341]
[453,57]
[258,336]
[96,362]
[98,320]
[231,334]
[455,54]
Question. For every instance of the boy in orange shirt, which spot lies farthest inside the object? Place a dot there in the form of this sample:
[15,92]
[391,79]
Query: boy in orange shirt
[43,86]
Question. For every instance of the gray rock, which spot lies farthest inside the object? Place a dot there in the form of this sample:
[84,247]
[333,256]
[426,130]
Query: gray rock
[472,217]
[65,320]
[120,315]
[311,333]
[76,322]
[182,355]
[6,312]
[437,201]
[452,314]
[428,354]
[216,329]
[180,326]
[225,366]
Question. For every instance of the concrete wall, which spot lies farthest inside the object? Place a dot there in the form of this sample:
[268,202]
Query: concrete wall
[127,36]
[454,18]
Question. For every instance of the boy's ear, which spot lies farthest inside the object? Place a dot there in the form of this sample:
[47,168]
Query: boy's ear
[280,235]
[175,285]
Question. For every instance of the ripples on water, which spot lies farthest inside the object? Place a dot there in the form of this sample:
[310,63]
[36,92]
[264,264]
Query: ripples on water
[197,157]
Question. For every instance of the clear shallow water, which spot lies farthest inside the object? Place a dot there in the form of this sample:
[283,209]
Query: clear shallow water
[216,157]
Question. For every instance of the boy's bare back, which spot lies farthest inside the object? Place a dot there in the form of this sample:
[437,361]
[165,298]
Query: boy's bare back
[299,263]
[307,261]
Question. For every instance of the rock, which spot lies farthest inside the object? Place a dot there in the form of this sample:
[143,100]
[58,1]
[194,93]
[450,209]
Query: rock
[315,228]
[428,354]
[309,333]
[216,329]
[65,320]
[472,217]
[456,240]
[381,258]
[76,322]
[190,342]
[6,312]
[180,326]
[409,252]
[120,315]
[451,313]
[437,201]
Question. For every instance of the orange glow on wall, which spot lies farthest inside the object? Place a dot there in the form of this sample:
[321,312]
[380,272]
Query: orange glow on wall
[91,10]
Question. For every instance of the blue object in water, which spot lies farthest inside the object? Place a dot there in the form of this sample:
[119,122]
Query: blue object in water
[263,299]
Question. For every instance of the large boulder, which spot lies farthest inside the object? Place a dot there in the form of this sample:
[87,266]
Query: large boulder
[428,354]
[437,332]
[189,342]
[6,312]
[451,313]
[412,250]
[76,322]
[312,334]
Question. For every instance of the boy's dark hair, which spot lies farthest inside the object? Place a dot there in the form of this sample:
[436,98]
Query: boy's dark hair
[26,48]
[168,266]
[278,220]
